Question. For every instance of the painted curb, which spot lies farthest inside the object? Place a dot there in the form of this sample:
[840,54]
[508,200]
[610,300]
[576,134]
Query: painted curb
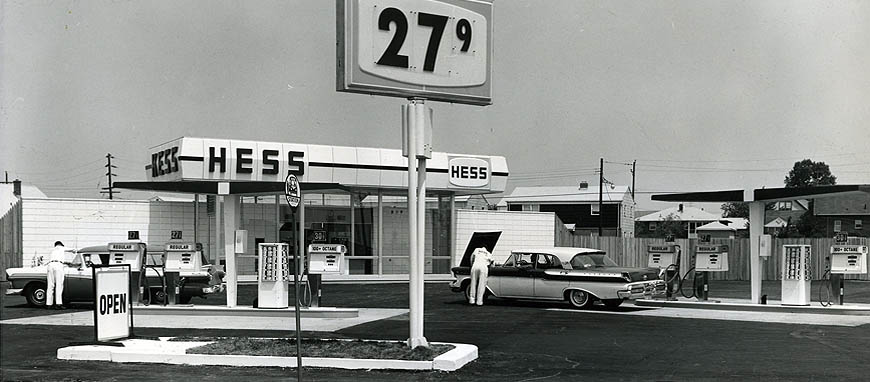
[243,311]
[452,360]
[845,310]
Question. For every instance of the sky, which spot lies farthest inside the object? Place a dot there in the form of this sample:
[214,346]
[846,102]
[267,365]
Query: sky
[704,95]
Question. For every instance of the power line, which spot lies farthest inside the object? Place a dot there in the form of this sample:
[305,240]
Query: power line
[109,174]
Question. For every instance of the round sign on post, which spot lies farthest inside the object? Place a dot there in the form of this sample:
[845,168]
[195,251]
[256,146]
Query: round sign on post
[291,190]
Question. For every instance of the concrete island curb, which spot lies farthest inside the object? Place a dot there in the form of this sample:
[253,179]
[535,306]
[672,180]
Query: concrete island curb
[172,352]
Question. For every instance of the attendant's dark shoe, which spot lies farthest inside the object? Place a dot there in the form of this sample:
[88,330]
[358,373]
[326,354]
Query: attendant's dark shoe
[60,307]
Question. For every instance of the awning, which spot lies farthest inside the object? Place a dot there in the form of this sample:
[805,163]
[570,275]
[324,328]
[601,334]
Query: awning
[236,188]
[764,194]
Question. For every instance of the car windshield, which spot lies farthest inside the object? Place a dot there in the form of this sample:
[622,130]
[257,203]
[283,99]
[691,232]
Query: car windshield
[592,260]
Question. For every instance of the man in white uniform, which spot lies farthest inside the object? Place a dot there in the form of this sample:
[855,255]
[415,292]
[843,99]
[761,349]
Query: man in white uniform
[480,260]
[55,266]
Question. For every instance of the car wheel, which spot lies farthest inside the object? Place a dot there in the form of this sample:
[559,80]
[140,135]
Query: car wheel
[35,294]
[580,299]
[612,302]
[467,293]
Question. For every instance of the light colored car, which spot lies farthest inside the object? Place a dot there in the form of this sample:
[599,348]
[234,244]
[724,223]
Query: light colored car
[30,282]
[580,276]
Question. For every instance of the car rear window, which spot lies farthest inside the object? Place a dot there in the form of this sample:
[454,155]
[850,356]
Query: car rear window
[592,260]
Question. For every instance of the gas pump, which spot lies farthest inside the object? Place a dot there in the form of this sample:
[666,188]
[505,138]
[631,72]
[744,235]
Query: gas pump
[132,254]
[709,258]
[666,258]
[323,259]
[179,257]
[796,274]
[274,276]
[846,260]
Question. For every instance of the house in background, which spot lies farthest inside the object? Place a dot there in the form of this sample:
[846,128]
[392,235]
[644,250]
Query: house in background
[690,218]
[848,214]
[779,215]
[578,206]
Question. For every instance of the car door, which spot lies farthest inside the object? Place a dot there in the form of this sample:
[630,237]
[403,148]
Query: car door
[514,278]
[547,286]
[78,285]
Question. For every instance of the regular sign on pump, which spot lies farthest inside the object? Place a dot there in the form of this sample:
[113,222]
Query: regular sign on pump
[112,313]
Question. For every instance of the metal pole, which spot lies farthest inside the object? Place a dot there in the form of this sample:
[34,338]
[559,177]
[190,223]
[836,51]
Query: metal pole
[601,198]
[633,168]
[421,230]
[756,229]
[412,222]
[300,219]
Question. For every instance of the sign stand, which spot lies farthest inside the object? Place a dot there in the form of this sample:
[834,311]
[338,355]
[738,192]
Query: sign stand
[293,193]
[103,336]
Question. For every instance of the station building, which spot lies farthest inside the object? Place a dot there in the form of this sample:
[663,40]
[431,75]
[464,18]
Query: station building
[351,195]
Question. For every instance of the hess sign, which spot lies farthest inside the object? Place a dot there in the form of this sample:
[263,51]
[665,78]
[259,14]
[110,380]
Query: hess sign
[439,50]
[468,172]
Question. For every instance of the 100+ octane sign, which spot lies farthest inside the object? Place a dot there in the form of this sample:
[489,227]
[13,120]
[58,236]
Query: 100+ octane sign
[438,50]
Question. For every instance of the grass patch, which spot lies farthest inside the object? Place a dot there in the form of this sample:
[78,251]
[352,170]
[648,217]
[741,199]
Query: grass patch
[286,347]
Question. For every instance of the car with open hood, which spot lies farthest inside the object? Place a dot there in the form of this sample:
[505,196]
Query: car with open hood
[580,276]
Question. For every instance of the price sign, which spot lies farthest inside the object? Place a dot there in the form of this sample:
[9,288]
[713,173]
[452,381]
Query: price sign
[439,50]
[841,237]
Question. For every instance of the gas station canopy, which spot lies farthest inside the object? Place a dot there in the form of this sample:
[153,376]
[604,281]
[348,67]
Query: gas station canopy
[764,194]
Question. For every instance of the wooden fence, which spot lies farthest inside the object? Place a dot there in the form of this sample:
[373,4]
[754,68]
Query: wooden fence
[632,252]
[10,240]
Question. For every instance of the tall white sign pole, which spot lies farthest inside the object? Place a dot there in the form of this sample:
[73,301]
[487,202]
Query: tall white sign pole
[413,118]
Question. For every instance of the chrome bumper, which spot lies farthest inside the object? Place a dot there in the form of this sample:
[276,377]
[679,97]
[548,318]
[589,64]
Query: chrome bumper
[648,289]
[214,289]
[14,292]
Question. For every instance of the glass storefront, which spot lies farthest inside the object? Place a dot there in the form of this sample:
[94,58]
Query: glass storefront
[374,228]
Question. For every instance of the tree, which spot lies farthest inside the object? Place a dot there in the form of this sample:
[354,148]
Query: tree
[670,226]
[735,210]
[807,173]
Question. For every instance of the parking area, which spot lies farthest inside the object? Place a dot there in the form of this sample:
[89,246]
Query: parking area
[517,340]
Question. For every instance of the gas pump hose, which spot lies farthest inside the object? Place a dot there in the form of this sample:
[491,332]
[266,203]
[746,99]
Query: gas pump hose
[682,280]
[825,286]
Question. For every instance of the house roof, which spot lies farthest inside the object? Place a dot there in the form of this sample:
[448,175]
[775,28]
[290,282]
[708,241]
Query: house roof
[566,194]
[737,223]
[687,214]
[843,205]
[716,226]
[776,223]
[9,200]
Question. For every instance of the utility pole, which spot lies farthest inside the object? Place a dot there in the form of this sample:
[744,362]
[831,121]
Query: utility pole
[601,198]
[109,174]
[633,168]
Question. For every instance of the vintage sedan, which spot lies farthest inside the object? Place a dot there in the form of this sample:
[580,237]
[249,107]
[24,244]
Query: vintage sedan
[30,282]
[579,275]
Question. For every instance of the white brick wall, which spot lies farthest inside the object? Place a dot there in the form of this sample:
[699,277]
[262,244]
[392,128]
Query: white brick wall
[519,230]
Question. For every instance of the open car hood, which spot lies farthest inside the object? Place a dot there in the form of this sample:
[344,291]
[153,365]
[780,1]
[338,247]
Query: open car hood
[487,240]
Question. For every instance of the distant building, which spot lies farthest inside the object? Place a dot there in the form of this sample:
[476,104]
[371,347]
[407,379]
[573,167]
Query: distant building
[779,215]
[579,207]
[848,214]
[690,218]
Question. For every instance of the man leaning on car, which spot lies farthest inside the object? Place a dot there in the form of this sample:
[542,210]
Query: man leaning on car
[54,276]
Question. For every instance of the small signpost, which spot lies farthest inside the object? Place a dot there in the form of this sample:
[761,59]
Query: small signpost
[293,194]
[113,305]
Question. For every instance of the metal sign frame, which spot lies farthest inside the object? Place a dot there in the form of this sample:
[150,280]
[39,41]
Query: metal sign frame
[292,191]
[351,78]
[94,279]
